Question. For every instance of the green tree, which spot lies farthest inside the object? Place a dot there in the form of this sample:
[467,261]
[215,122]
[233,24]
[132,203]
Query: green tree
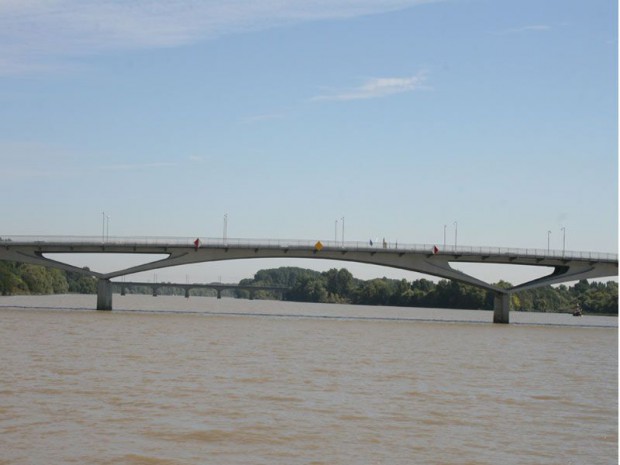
[80,283]
[401,293]
[339,284]
[58,280]
[308,289]
[374,292]
[598,297]
[10,280]
[37,279]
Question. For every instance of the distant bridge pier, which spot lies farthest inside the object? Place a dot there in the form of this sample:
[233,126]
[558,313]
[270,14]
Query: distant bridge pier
[219,293]
[187,292]
[155,289]
[104,294]
[501,308]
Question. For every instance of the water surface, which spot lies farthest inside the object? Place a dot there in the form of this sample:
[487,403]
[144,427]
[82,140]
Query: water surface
[169,380]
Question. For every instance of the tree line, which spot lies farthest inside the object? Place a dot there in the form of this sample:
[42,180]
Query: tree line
[23,278]
[339,286]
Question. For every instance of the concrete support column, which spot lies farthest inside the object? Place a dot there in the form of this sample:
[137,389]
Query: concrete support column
[251,293]
[219,293]
[187,293]
[123,290]
[501,308]
[104,294]
[154,291]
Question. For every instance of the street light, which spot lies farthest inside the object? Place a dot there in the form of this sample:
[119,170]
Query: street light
[342,231]
[456,230]
[548,242]
[108,227]
[444,236]
[225,227]
[336,232]
[563,240]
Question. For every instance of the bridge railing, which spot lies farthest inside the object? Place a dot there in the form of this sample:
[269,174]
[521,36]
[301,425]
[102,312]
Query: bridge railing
[296,243]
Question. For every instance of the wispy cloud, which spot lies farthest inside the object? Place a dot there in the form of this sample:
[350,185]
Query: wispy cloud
[37,35]
[378,87]
[31,159]
[262,118]
[531,28]
[137,166]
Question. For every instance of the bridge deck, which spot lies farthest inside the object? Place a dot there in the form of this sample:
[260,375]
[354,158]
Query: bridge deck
[92,244]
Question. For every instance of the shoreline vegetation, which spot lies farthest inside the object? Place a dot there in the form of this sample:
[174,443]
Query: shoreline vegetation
[339,286]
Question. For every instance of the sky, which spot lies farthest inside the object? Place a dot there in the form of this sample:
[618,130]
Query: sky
[494,122]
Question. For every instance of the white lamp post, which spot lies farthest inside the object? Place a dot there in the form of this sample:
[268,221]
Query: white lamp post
[444,236]
[456,231]
[563,240]
[225,233]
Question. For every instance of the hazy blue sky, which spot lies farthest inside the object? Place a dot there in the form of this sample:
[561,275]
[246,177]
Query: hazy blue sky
[400,116]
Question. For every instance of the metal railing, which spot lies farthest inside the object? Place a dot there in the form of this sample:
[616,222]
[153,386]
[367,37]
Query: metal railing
[303,244]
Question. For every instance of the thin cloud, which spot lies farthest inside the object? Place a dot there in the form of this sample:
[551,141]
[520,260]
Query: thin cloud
[378,87]
[37,35]
[137,166]
[531,28]
[262,118]
[31,159]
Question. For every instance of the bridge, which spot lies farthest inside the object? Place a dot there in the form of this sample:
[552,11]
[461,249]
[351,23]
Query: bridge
[218,287]
[423,258]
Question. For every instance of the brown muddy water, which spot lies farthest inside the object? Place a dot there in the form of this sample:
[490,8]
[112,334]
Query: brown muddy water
[169,380]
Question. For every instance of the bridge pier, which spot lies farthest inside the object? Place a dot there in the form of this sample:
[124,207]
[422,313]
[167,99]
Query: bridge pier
[501,308]
[219,293]
[187,293]
[104,294]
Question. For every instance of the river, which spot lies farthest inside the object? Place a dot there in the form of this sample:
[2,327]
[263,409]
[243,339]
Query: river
[169,380]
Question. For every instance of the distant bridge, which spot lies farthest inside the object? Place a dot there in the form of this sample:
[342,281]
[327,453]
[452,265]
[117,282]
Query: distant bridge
[423,258]
[218,287]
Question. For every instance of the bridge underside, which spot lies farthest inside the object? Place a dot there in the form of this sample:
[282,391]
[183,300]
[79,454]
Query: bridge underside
[435,264]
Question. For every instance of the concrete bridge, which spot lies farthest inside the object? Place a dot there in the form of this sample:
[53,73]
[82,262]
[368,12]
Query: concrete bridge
[423,258]
[218,287]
